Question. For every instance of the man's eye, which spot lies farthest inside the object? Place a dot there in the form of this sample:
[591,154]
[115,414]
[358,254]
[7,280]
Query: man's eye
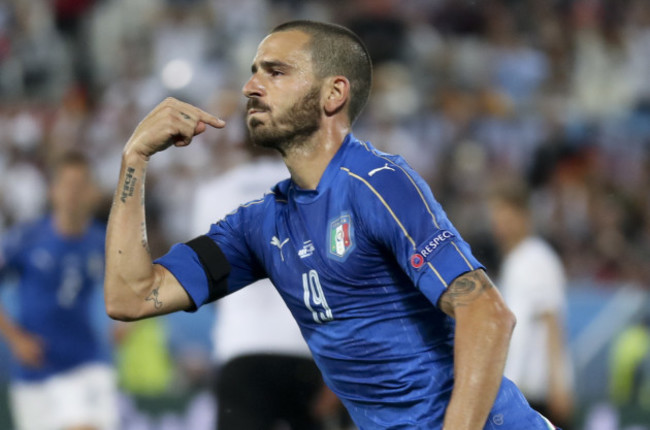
[276,73]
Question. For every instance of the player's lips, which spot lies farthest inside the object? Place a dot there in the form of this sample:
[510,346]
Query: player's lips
[254,106]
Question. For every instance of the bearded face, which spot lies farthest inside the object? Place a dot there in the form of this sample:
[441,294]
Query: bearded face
[283,129]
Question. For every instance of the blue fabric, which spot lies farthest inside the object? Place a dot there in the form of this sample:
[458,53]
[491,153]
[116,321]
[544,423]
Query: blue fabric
[56,279]
[361,263]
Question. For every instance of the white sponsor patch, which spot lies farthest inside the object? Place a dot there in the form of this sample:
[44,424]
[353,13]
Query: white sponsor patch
[307,249]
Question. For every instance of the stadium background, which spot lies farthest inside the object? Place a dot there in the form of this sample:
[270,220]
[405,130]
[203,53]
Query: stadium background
[553,92]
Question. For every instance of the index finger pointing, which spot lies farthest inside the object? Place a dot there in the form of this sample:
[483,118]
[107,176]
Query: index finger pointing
[209,119]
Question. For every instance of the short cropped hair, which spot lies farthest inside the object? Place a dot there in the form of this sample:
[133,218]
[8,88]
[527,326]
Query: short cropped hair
[336,50]
[515,194]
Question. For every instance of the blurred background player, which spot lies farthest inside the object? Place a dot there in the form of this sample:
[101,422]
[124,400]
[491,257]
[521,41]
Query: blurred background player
[532,280]
[629,361]
[265,375]
[60,377]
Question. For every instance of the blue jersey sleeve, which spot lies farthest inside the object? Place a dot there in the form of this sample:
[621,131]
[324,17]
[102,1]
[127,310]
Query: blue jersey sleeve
[399,212]
[230,236]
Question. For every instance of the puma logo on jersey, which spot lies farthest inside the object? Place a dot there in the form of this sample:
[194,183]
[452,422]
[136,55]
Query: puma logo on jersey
[379,169]
[276,242]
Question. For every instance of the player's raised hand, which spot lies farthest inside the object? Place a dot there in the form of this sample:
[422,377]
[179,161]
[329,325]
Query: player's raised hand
[172,122]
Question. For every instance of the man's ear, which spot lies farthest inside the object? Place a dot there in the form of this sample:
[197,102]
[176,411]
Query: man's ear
[337,94]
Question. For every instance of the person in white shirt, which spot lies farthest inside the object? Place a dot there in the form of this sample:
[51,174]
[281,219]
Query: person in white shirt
[265,373]
[533,282]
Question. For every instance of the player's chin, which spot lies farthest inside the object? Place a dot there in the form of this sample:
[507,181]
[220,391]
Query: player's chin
[254,123]
[258,131]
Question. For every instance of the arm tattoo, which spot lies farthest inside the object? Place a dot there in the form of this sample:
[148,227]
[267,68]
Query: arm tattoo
[186,116]
[144,242]
[129,184]
[142,189]
[464,290]
[153,297]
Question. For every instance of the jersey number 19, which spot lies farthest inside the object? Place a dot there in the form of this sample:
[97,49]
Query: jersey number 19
[315,298]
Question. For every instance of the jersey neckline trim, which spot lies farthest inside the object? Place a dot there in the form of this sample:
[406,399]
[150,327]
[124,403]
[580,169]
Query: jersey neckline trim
[307,196]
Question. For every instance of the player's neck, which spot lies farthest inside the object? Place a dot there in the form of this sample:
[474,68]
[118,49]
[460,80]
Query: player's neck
[515,240]
[307,162]
[69,225]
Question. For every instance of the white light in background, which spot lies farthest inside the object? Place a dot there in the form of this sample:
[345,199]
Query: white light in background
[177,74]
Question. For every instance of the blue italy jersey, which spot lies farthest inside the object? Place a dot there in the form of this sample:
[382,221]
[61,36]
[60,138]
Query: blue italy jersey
[361,263]
[56,278]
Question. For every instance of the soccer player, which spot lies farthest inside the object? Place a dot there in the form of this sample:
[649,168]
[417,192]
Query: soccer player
[402,320]
[532,280]
[60,379]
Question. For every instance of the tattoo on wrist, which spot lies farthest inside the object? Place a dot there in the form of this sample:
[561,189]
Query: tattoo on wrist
[153,297]
[129,184]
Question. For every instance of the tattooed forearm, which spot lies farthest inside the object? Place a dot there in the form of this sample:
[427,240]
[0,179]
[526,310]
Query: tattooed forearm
[154,297]
[143,241]
[129,184]
[464,290]
[142,188]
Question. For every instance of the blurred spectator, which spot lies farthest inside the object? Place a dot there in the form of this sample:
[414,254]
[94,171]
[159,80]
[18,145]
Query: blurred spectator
[379,25]
[70,18]
[37,53]
[143,361]
[517,68]
[25,199]
[602,80]
[629,361]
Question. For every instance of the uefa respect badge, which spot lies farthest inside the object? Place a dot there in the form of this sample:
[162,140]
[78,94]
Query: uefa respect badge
[430,247]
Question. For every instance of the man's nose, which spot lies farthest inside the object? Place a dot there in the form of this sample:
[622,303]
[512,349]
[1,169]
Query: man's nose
[253,88]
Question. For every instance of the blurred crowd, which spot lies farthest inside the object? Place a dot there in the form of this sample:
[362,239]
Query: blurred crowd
[552,92]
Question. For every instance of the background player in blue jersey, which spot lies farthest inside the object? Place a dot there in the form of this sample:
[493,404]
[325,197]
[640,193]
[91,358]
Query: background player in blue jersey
[60,379]
[400,317]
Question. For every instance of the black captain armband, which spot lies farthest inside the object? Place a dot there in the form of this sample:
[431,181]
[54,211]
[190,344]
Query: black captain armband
[215,265]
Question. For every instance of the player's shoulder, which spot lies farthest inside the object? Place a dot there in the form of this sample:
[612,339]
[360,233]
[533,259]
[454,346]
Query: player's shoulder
[535,248]
[535,253]
[27,231]
[381,172]
[263,205]
[23,237]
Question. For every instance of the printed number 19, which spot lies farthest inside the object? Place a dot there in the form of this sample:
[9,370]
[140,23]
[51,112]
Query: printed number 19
[314,298]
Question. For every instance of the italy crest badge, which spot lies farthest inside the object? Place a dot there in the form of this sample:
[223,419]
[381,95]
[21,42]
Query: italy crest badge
[341,234]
